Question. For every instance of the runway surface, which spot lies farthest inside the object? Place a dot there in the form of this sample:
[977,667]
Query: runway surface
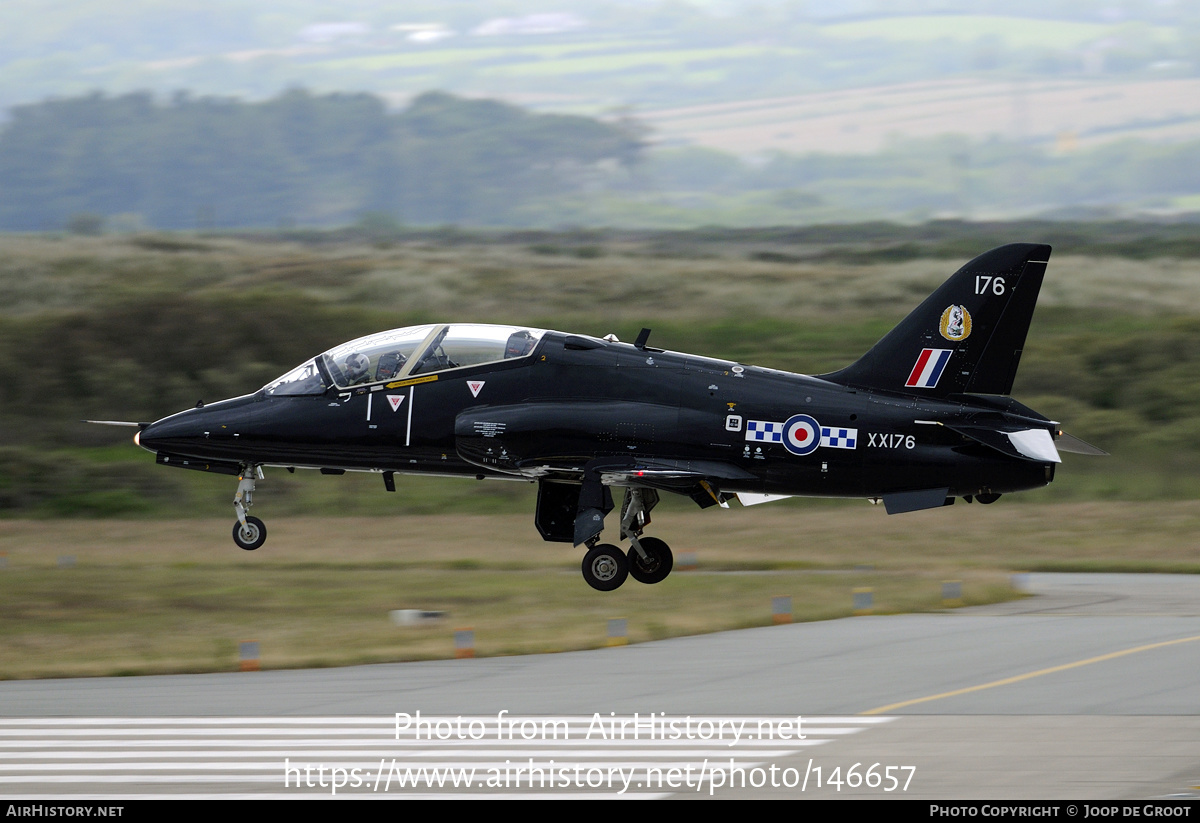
[1086,691]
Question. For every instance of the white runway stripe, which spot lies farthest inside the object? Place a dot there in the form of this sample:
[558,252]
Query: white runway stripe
[362,757]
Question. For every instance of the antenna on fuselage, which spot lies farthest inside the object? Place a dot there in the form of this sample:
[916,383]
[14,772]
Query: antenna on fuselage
[642,337]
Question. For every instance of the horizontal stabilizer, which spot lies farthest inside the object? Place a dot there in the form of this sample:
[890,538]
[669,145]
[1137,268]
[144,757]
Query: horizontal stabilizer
[901,502]
[1036,444]
[1072,444]
[1023,444]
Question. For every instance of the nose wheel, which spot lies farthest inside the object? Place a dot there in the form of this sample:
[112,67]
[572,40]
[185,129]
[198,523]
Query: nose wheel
[251,535]
[248,532]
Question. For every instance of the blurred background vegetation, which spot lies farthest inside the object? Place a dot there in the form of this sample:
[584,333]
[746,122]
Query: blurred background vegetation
[94,163]
[134,327]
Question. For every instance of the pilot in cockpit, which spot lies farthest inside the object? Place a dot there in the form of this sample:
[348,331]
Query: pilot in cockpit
[358,369]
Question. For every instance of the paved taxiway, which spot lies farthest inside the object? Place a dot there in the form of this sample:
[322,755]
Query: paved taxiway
[1087,691]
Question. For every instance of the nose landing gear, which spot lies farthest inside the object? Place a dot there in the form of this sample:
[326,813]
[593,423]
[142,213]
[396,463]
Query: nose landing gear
[250,536]
[248,532]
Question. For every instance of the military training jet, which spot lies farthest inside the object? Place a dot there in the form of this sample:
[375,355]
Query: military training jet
[919,420]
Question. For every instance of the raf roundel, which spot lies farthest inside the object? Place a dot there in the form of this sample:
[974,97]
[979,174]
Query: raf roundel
[801,434]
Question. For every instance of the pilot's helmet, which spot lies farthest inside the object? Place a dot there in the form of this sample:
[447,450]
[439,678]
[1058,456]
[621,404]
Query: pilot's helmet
[357,366]
[520,343]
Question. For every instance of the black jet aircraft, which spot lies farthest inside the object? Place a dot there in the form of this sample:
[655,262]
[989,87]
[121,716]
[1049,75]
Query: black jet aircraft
[919,420]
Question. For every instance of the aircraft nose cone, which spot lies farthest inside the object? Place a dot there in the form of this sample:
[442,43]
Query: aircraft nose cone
[217,431]
[171,432]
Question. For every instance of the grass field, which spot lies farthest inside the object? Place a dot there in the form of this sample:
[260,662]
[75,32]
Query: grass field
[866,120]
[557,61]
[175,596]
[1013,32]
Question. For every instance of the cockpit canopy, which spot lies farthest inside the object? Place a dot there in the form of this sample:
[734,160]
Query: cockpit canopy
[409,352]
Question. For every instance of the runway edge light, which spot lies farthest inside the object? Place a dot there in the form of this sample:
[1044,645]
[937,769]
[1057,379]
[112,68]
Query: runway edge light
[464,643]
[781,609]
[248,656]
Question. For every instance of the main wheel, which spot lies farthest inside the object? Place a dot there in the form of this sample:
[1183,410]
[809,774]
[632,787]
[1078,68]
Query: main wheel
[656,567]
[605,567]
[250,536]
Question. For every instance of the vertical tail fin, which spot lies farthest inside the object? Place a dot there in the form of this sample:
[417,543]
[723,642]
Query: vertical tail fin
[966,337]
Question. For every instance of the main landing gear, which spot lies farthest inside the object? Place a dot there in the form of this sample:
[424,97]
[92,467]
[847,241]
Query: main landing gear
[248,532]
[649,560]
[605,567]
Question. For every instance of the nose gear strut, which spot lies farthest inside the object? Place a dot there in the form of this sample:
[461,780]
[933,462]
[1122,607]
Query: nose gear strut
[248,532]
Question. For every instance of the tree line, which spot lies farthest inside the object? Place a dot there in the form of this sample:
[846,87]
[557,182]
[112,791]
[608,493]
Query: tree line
[297,159]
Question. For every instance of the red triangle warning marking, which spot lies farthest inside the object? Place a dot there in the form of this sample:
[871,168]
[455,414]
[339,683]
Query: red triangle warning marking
[475,386]
[395,400]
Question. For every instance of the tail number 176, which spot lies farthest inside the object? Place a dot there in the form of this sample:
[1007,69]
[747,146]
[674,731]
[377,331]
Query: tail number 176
[987,282]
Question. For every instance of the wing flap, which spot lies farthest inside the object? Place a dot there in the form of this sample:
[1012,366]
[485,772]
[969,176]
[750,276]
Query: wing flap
[672,474]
